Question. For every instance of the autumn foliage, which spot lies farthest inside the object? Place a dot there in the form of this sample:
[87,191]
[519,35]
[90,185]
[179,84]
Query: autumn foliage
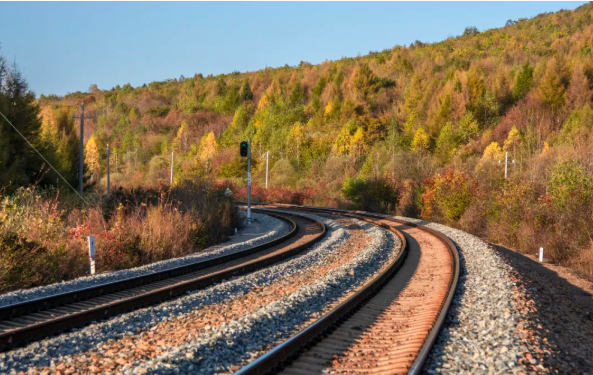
[418,130]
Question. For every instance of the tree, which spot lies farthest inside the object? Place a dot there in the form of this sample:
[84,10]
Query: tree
[18,161]
[296,141]
[421,141]
[366,82]
[578,93]
[246,93]
[92,160]
[358,143]
[342,144]
[551,90]
[133,116]
[523,81]
[512,140]
[240,119]
[181,141]
[470,31]
[60,136]
[569,184]
[208,149]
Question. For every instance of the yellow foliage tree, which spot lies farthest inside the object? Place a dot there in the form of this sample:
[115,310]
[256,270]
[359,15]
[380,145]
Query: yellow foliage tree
[492,153]
[208,149]
[181,141]
[263,103]
[512,140]
[295,140]
[92,160]
[357,143]
[421,141]
[133,116]
[328,108]
[342,144]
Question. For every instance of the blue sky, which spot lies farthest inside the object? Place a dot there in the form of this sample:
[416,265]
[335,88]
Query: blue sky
[66,47]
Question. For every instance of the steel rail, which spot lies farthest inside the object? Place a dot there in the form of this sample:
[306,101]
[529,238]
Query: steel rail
[67,320]
[289,349]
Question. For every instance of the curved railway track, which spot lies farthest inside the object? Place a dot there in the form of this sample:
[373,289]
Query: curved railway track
[389,325]
[35,319]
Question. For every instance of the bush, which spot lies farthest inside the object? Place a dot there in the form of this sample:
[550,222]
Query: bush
[447,196]
[370,195]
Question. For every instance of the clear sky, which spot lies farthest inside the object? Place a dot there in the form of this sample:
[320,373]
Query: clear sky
[66,47]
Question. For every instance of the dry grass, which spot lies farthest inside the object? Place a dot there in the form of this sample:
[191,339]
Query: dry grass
[43,236]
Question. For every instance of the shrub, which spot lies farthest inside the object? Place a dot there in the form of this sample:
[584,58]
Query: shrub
[446,196]
[370,195]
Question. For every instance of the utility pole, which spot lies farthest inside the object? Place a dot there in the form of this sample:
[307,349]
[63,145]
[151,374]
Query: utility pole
[249,181]
[108,184]
[172,153]
[506,164]
[267,163]
[81,164]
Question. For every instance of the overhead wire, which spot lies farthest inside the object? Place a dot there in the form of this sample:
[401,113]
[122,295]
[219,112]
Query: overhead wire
[43,157]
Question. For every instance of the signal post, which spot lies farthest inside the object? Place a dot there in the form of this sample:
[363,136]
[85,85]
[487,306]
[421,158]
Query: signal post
[245,151]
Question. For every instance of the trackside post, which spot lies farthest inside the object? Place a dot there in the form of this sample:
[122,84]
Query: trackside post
[91,241]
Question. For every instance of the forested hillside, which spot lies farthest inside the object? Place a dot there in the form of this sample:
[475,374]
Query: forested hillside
[418,130]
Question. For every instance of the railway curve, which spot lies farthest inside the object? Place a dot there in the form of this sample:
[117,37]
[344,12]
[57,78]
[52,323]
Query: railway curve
[390,324]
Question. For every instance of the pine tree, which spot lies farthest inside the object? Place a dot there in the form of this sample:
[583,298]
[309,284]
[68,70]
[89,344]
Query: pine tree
[246,93]
[18,161]
[523,81]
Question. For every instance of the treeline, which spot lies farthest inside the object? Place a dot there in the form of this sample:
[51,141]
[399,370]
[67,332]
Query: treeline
[55,139]
[417,129]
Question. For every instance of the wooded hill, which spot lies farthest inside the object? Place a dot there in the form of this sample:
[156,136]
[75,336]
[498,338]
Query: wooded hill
[416,129]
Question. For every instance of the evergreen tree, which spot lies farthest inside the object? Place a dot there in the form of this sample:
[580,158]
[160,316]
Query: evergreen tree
[523,81]
[246,93]
[19,163]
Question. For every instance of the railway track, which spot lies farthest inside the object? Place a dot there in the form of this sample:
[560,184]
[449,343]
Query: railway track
[389,325]
[38,318]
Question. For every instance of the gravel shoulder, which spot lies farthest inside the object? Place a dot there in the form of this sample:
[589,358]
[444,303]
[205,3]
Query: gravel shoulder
[263,229]
[556,308]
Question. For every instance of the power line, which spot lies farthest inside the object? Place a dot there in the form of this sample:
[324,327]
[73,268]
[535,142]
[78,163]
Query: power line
[48,163]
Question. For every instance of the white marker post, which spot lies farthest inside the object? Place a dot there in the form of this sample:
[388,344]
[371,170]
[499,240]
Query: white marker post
[91,241]
[541,254]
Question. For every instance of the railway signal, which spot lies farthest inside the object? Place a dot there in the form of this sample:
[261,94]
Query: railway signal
[245,150]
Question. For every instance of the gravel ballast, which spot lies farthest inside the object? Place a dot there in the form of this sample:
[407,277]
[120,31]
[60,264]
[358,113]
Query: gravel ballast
[237,343]
[275,228]
[47,352]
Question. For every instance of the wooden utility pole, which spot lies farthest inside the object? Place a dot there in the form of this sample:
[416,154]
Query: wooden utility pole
[172,154]
[108,184]
[249,182]
[81,163]
[267,163]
